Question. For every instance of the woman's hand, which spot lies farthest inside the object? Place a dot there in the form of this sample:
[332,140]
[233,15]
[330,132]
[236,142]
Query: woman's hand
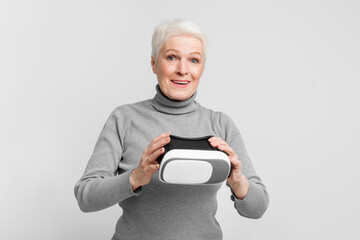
[237,181]
[148,165]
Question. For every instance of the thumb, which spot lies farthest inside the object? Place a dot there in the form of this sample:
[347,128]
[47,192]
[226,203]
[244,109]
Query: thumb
[154,167]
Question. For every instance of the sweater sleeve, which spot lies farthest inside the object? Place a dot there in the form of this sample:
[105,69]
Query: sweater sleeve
[256,201]
[100,186]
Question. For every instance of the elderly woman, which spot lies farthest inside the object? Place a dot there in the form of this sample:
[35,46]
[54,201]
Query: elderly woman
[123,167]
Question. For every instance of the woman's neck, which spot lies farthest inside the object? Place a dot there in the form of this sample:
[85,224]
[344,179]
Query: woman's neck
[164,104]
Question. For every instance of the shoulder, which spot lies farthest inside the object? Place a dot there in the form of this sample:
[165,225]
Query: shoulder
[126,109]
[125,112]
[132,106]
[217,117]
[221,123]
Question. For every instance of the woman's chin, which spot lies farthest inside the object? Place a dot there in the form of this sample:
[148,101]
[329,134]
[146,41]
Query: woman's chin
[176,93]
[182,96]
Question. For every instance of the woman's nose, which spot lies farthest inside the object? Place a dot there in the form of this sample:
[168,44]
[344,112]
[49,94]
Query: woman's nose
[182,68]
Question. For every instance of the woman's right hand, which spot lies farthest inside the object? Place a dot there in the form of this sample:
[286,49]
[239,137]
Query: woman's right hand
[148,165]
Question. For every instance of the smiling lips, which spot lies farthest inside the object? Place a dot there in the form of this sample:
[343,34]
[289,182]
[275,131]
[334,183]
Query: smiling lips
[180,83]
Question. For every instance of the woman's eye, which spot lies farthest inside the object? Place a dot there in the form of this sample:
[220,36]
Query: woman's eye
[171,58]
[194,60]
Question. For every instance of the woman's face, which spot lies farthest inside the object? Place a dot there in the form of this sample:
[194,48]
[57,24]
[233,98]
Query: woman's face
[179,66]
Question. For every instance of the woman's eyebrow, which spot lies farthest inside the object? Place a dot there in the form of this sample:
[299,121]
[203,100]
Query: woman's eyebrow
[169,50]
[177,51]
[193,53]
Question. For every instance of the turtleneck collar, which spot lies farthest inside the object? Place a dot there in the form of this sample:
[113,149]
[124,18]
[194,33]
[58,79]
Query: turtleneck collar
[164,104]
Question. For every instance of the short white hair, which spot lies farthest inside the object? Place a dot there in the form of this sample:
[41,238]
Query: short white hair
[177,27]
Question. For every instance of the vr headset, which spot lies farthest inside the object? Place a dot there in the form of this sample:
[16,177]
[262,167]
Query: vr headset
[193,161]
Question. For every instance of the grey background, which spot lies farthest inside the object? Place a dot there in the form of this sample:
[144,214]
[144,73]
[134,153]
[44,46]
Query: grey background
[287,72]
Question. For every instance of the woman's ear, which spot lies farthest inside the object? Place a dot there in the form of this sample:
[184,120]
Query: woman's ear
[153,64]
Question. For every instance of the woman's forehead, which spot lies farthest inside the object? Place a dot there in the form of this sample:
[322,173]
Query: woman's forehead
[184,44]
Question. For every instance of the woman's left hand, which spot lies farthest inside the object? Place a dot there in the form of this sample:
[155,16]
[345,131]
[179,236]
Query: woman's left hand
[237,181]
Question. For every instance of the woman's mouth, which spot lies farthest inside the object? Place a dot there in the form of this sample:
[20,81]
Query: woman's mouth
[180,83]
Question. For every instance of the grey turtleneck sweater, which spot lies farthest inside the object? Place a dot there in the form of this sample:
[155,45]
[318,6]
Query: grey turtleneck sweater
[159,210]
